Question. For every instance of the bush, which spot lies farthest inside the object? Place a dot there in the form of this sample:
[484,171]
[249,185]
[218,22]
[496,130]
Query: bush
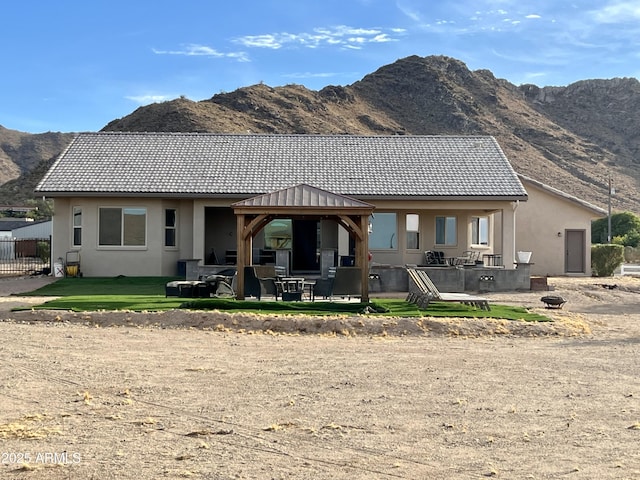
[630,239]
[605,259]
[44,251]
[632,255]
[622,225]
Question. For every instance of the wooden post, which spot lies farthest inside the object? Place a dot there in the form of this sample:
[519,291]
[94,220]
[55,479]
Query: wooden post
[240,261]
[364,247]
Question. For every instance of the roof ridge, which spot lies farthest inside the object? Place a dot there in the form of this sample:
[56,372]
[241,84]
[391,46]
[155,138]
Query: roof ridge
[276,135]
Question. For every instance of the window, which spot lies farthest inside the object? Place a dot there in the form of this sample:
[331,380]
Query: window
[170,225]
[480,231]
[122,227]
[278,234]
[77,226]
[384,231]
[446,231]
[413,231]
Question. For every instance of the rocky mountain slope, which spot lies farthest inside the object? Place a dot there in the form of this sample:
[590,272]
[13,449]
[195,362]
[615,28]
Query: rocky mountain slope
[572,138]
[24,158]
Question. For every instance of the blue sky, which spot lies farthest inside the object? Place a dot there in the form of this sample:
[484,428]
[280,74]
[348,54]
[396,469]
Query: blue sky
[76,65]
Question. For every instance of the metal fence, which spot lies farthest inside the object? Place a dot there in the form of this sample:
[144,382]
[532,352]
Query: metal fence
[629,269]
[25,256]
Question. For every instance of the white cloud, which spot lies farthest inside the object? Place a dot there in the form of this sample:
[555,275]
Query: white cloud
[480,16]
[409,11]
[196,50]
[618,11]
[240,56]
[341,35]
[301,75]
[530,77]
[382,38]
[552,57]
[147,99]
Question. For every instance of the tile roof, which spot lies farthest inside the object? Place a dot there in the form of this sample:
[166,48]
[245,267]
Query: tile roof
[206,165]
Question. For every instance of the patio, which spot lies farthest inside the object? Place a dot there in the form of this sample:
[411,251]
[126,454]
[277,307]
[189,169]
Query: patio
[393,279]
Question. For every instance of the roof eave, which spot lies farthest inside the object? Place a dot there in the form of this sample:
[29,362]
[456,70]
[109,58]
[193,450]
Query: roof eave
[434,198]
[444,198]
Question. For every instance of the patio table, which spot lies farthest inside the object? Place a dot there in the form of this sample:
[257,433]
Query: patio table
[291,287]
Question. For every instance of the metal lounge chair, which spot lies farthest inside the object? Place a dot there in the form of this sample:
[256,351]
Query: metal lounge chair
[420,299]
[478,302]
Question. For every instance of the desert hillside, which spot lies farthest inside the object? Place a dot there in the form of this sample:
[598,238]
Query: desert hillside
[572,137]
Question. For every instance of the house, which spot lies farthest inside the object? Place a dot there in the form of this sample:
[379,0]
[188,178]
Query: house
[40,229]
[142,203]
[557,227]
[7,225]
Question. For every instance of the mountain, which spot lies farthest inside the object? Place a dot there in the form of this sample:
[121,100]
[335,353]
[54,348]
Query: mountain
[24,159]
[572,138]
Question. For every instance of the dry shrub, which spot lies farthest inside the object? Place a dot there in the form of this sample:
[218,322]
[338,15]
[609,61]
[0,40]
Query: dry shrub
[28,427]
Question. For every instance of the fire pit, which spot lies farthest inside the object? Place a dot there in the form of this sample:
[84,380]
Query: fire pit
[553,301]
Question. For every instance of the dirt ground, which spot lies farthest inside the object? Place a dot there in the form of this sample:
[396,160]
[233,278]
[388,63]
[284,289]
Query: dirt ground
[214,396]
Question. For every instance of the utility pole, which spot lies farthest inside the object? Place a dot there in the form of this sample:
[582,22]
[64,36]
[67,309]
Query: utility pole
[611,192]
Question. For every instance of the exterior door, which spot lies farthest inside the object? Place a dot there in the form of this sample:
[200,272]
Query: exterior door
[575,245]
[305,250]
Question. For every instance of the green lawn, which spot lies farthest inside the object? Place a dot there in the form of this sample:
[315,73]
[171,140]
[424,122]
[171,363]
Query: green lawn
[147,294]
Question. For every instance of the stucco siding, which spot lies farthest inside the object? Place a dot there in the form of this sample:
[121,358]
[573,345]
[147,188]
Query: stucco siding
[542,223]
[537,224]
[150,259]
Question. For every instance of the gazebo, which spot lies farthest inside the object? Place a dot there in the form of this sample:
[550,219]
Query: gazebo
[302,201]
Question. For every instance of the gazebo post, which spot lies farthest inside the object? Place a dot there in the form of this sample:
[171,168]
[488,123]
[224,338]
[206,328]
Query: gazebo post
[240,261]
[364,256]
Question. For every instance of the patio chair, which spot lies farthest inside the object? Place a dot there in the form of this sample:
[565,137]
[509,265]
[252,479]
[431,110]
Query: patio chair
[434,257]
[324,286]
[220,284]
[256,284]
[347,282]
[468,257]
[251,283]
[473,300]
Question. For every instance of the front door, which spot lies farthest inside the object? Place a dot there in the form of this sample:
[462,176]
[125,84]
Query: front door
[575,257]
[305,249]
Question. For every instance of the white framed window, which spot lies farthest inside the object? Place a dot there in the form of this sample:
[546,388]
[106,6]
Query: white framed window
[413,231]
[77,227]
[384,231]
[125,227]
[170,227]
[446,230]
[480,231]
